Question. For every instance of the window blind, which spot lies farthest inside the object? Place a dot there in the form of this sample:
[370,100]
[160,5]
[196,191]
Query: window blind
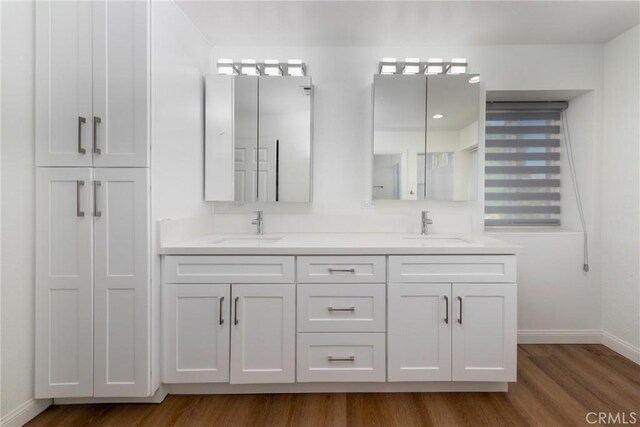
[522,164]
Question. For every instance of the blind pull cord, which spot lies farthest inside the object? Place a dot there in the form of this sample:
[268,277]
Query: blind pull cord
[576,190]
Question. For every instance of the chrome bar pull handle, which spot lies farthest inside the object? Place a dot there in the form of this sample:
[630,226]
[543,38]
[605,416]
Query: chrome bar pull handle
[96,122]
[81,121]
[221,319]
[96,212]
[332,309]
[446,304]
[460,313]
[342,270]
[341,359]
[79,184]
[235,310]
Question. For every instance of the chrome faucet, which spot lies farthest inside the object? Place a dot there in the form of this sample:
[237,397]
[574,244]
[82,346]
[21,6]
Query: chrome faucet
[425,222]
[259,221]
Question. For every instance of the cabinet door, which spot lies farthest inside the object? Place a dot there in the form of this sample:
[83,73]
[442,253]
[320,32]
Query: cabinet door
[263,334]
[419,332]
[121,218]
[63,83]
[64,285]
[484,332]
[121,83]
[196,333]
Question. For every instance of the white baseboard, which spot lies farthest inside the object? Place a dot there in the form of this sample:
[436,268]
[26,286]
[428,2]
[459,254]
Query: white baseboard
[25,412]
[622,347]
[579,336]
[559,336]
[373,387]
[157,397]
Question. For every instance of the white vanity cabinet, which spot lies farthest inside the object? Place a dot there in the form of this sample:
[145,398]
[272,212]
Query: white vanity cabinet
[331,321]
[92,85]
[220,305]
[452,331]
[92,279]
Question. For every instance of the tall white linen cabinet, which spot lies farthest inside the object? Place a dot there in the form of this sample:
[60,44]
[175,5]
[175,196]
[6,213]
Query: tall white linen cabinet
[93,221]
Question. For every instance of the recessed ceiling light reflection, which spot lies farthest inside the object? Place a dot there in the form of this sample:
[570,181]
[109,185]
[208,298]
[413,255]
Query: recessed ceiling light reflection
[474,79]
[438,116]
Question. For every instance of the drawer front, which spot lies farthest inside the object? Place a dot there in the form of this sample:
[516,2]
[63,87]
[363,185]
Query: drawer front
[341,269]
[454,268]
[341,308]
[229,269]
[341,357]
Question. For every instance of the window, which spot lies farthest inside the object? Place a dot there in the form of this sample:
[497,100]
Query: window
[522,164]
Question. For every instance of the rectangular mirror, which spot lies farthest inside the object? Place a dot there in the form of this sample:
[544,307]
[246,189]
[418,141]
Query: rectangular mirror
[258,138]
[425,137]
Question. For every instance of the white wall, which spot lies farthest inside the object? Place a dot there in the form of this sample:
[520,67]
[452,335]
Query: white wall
[181,58]
[560,299]
[620,201]
[18,205]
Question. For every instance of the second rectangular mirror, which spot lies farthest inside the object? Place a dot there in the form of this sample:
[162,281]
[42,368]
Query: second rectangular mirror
[425,137]
[258,138]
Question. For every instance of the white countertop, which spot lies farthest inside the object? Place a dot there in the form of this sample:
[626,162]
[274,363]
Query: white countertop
[340,244]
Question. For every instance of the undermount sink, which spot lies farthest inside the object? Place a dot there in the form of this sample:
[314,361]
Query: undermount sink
[249,240]
[439,239]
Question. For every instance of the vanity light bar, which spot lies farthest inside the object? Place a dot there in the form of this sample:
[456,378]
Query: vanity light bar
[270,67]
[414,66]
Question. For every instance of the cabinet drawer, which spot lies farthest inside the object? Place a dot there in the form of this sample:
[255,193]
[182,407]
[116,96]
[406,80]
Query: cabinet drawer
[228,269]
[341,269]
[341,357]
[341,308]
[455,268]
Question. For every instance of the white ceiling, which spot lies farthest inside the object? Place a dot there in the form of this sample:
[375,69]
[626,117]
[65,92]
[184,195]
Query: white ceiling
[405,23]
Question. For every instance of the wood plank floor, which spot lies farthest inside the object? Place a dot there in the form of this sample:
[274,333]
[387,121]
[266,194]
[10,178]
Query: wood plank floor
[557,386]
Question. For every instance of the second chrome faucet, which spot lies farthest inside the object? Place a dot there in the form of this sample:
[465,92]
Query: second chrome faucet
[258,222]
[426,221]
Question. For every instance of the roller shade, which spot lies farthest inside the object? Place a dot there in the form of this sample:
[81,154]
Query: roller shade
[522,164]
